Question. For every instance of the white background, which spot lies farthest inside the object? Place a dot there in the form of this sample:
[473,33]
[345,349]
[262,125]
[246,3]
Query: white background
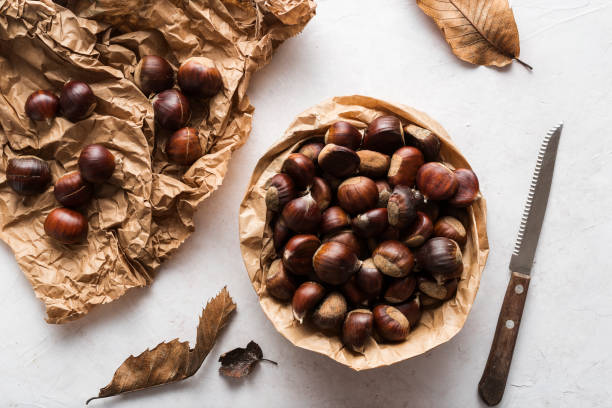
[388,49]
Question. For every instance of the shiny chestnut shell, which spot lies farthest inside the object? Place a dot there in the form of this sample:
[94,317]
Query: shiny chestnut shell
[321,192]
[334,263]
[183,147]
[96,163]
[72,190]
[28,175]
[349,239]
[312,150]
[279,191]
[400,290]
[279,283]
[300,168]
[77,100]
[424,140]
[467,192]
[405,164]
[369,279]
[172,110]
[66,226]
[339,161]
[305,298]
[412,310]
[342,133]
[357,195]
[298,253]
[302,214]
[199,76]
[442,258]
[437,181]
[371,223]
[357,329]
[42,105]
[393,259]
[334,219]
[451,228]
[390,323]
[280,234]
[153,74]
[402,206]
[384,134]
[419,232]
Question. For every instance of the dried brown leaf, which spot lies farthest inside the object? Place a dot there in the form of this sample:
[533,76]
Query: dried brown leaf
[481,32]
[240,361]
[172,361]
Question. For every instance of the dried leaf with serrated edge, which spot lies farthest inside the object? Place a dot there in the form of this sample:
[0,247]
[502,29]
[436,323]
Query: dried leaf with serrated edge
[240,361]
[175,360]
[481,32]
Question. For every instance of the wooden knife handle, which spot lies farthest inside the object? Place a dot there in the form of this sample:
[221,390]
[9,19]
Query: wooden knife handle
[493,382]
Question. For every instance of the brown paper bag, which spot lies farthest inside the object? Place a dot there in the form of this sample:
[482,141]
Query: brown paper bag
[438,325]
[145,212]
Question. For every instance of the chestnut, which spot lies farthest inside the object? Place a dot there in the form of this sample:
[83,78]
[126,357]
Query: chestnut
[419,232]
[171,109]
[384,192]
[353,293]
[343,134]
[391,233]
[183,147]
[452,228]
[66,226]
[400,290]
[412,310]
[405,164]
[357,195]
[432,209]
[371,223]
[321,192]
[298,253]
[71,190]
[347,238]
[390,323]
[437,181]
[441,292]
[280,234]
[424,140]
[402,207]
[467,192]
[393,259]
[96,163]
[280,189]
[198,76]
[459,213]
[441,257]
[305,298]
[279,283]
[302,214]
[357,329]
[334,263]
[369,279]
[77,100]
[427,302]
[312,150]
[339,161]
[42,105]
[333,181]
[300,168]
[384,134]
[334,219]
[373,164]
[330,314]
[153,74]
[28,175]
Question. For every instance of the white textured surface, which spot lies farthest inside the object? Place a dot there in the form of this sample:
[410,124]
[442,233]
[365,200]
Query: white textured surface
[391,50]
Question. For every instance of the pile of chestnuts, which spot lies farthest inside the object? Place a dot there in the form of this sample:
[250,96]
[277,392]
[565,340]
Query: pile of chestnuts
[368,230]
[197,77]
[76,102]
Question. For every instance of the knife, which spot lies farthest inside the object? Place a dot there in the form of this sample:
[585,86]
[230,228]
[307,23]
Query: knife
[493,382]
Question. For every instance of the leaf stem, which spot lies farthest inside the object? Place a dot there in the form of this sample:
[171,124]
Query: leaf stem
[526,65]
[269,361]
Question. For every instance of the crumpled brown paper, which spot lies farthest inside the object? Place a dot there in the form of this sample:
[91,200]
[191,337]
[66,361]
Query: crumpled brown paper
[438,325]
[145,212]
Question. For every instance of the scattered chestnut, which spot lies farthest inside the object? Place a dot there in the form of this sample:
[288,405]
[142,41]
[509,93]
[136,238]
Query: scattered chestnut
[357,329]
[339,161]
[467,192]
[384,192]
[280,234]
[412,310]
[305,298]
[302,214]
[419,232]
[390,323]
[353,292]
[437,181]
[405,164]
[312,150]
[334,219]
[28,175]
[300,168]
[371,223]
[330,314]
[279,283]
[42,105]
[402,207]
[71,190]
[153,74]
[171,109]
[183,147]
[452,228]
[77,100]
[66,226]
[424,140]
[334,263]
[198,76]
[369,279]
[347,238]
[279,191]
[441,292]
[441,257]
[96,163]
[400,290]
[321,192]
[393,259]
[298,253]
[357,195]
[343,134]
[384,134]
[373,164]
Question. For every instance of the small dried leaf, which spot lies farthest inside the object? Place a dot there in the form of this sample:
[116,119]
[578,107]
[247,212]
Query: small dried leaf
[240,361]
[172,361]
[481,32]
